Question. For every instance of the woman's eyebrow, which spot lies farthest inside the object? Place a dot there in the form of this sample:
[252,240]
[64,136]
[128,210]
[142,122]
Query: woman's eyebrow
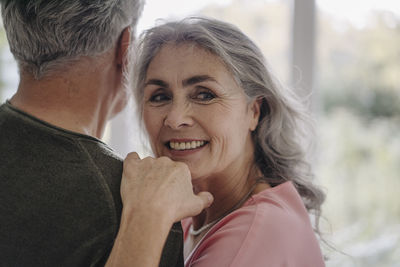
[197,79]
[157,82]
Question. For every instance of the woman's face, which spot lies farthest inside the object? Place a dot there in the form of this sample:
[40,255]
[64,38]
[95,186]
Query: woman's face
[195,112]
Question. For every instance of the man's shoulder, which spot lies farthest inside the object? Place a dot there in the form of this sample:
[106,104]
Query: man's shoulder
[22,133]
[50,153]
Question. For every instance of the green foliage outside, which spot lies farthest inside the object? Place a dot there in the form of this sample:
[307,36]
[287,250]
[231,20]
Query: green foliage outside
[360,68]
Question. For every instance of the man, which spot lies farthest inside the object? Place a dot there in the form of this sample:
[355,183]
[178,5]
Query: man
[60,202]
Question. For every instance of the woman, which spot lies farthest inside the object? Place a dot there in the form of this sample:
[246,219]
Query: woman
[207,99]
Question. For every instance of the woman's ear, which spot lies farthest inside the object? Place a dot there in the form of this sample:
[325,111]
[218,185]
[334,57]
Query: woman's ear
[255,111]
[123,46]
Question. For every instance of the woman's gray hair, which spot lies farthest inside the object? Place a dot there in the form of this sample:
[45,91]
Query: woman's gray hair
[44,34]
[280,153]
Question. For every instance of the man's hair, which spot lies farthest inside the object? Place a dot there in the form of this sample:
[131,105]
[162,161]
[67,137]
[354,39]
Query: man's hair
[44,34]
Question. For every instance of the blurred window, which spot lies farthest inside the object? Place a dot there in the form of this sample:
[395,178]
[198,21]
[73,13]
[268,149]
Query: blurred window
[358,83]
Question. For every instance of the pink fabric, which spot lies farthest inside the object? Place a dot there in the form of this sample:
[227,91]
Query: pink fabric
[271,229]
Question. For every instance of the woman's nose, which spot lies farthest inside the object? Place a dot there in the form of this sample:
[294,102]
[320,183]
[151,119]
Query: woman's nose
[178,116]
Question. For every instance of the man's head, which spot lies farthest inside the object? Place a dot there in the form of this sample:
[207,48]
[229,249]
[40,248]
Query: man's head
[46,34]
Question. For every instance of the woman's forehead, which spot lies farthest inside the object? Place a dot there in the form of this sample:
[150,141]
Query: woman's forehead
[183,50]
[186,57]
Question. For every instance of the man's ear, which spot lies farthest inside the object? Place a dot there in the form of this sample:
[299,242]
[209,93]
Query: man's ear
[255,111]
[123,46]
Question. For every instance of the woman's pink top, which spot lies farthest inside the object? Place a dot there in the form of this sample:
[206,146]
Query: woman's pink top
[271,229]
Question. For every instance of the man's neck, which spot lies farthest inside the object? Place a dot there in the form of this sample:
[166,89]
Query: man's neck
[70,103]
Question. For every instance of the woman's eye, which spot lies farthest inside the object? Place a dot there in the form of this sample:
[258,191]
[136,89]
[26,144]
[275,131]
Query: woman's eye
[160,97]
[205,96]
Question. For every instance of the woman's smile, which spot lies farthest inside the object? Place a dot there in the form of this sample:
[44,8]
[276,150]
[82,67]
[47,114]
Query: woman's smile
[183,145]
[180,149]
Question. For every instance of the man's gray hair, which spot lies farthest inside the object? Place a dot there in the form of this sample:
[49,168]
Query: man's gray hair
[44,34]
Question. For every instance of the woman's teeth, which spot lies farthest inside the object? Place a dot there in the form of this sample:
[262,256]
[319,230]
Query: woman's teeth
[186,145]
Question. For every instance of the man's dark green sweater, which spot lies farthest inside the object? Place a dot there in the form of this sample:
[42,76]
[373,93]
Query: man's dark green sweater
[60,199]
